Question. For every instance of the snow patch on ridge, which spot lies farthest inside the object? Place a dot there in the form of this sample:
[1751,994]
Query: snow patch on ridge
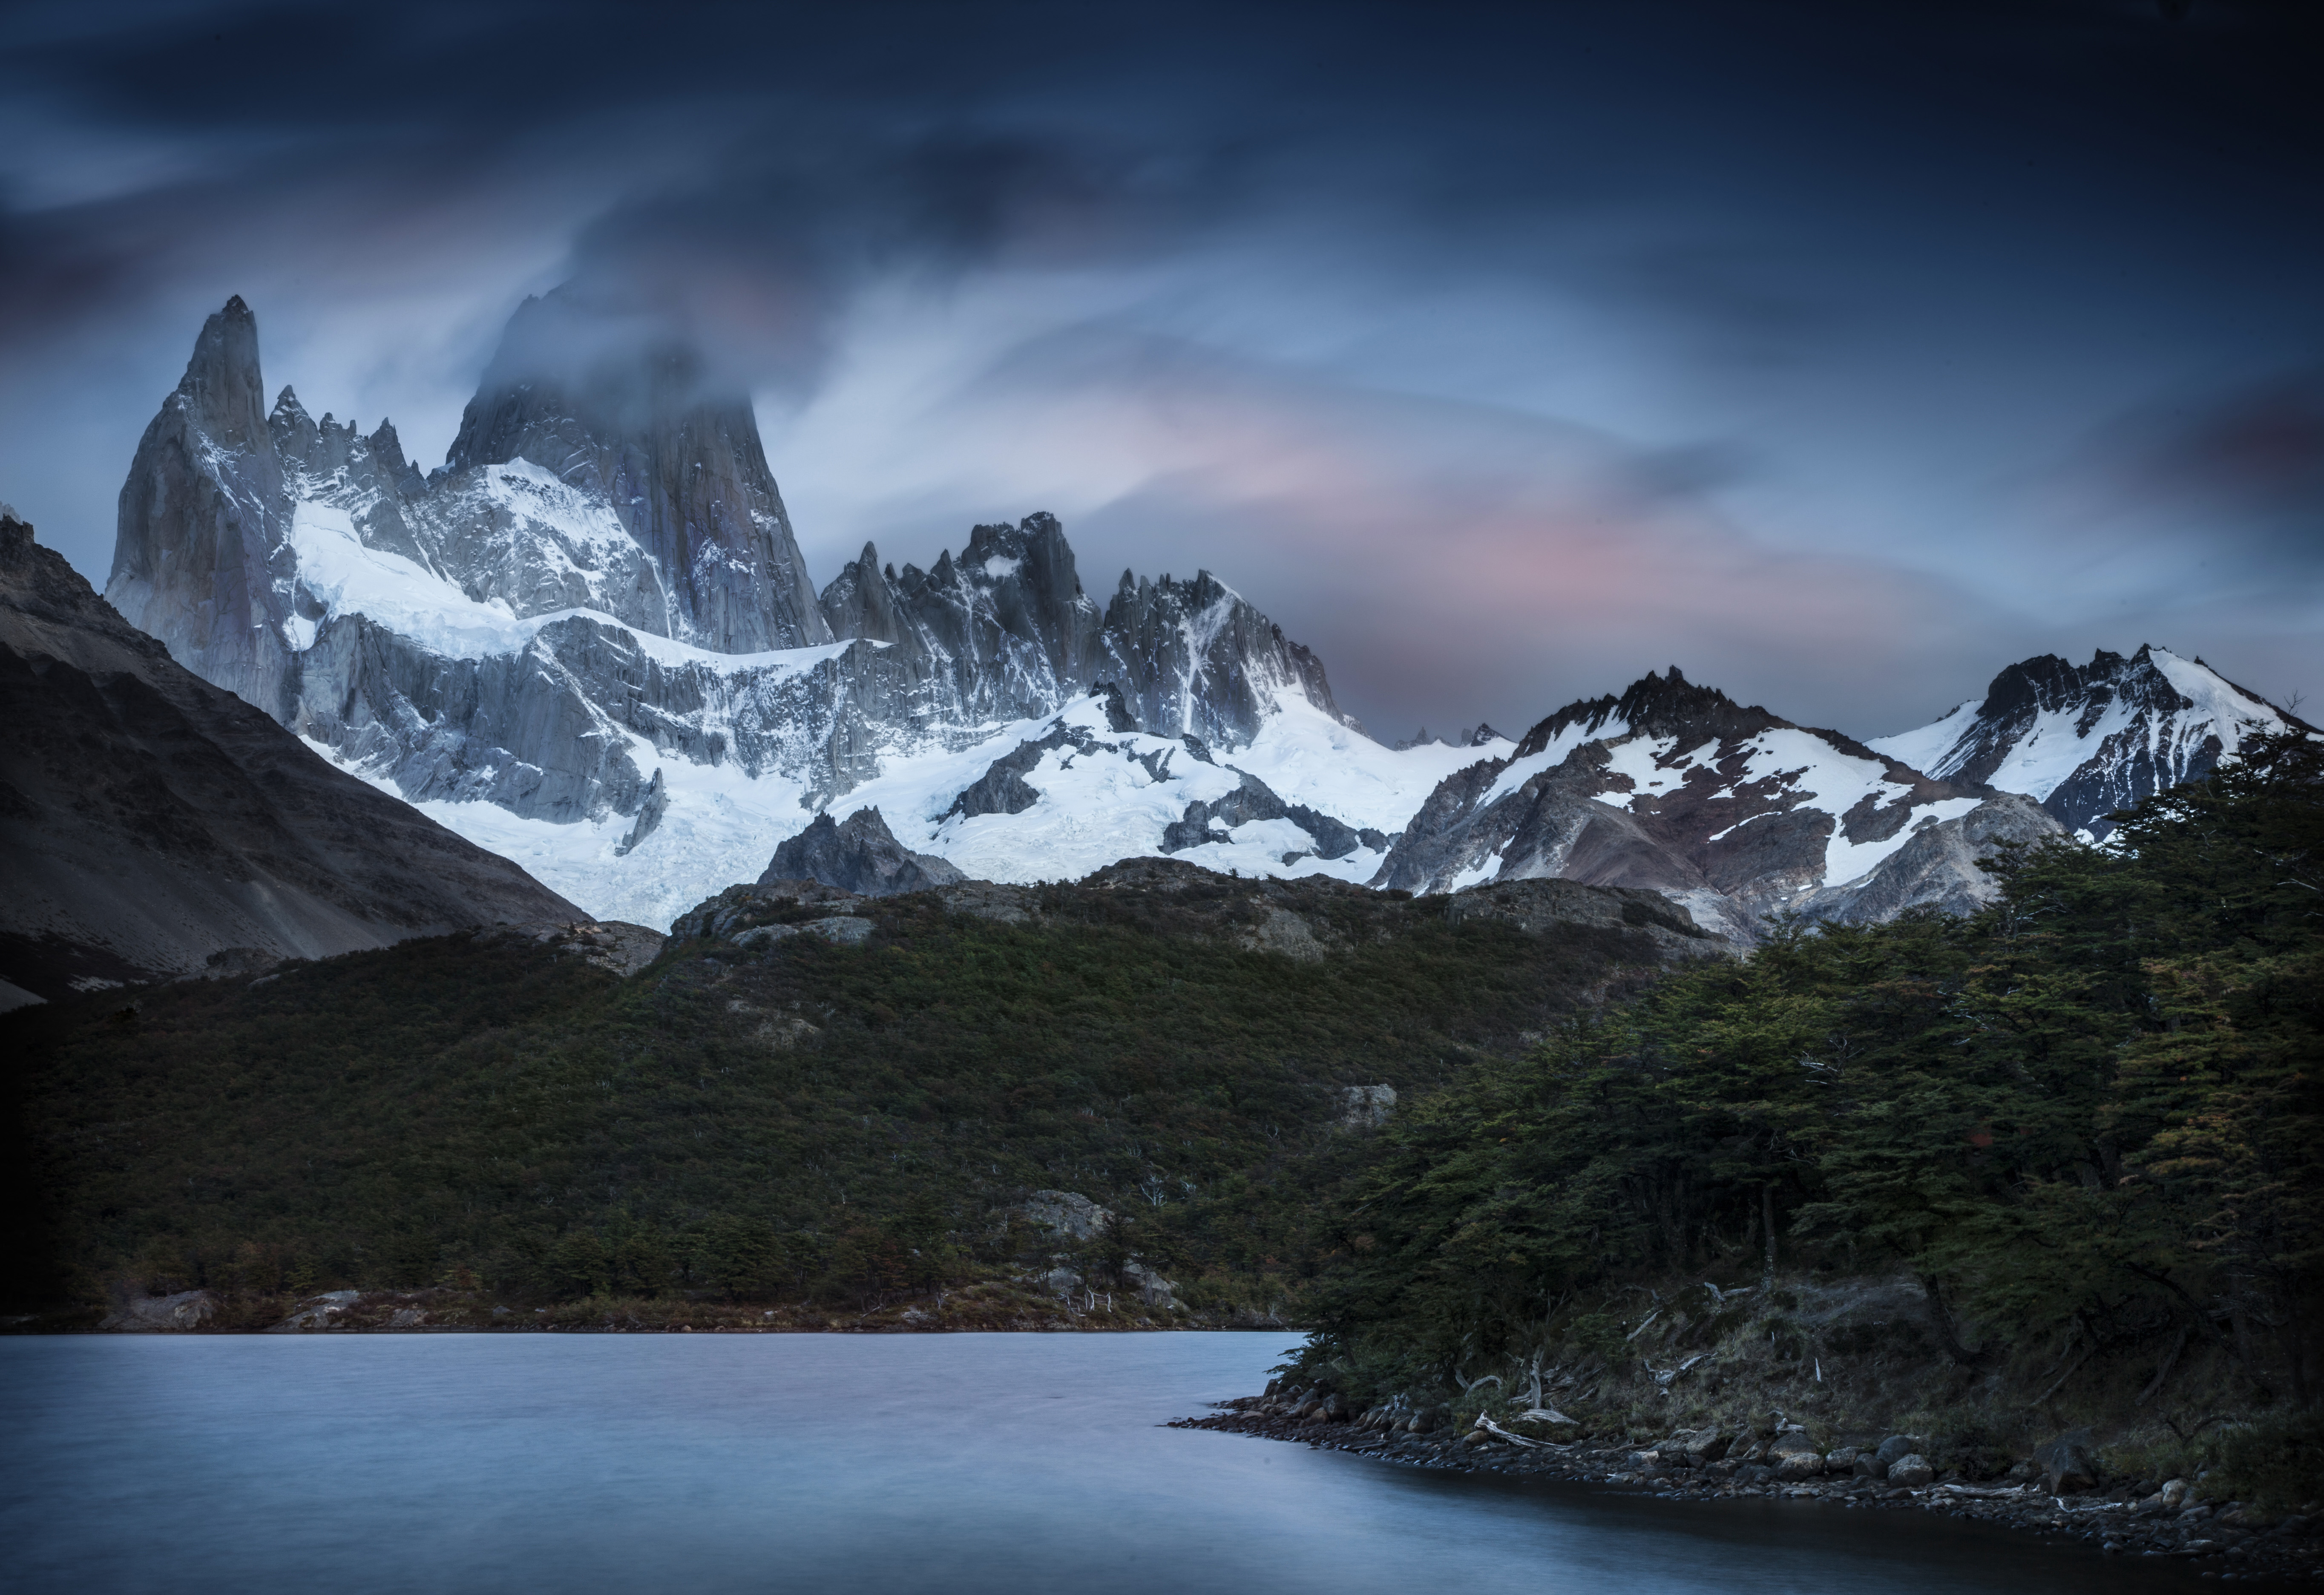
[1933,748]
[1310,759]
[2232,715]
[345,575]
[1099,808]
[1560,746]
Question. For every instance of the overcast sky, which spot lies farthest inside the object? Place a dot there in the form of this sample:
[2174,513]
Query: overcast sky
[1839,353]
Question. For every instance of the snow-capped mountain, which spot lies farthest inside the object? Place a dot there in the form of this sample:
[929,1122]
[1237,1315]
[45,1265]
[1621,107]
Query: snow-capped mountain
[1727,809]
[2085,742]
[588,642]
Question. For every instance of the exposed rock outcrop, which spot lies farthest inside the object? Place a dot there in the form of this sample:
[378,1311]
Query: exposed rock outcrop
[859,854]
[185,1310]
[1536,905]
[1938,868]
[609,945]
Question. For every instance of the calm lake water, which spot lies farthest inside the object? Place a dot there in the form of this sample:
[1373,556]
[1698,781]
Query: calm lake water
[782,1462]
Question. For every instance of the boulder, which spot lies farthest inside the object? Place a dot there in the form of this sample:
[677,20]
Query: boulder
[1801,1463]
[1897,1445]
[1152,1289]
[2068,1462]
[1910,1472]
[1067,1214]
[188,1309]
[1705,1446]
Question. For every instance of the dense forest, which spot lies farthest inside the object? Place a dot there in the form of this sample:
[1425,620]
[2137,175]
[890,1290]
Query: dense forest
[2083,1130]
[850,1127]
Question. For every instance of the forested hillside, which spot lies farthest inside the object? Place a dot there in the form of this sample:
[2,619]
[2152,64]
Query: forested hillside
[1979,1178]
[769,1117]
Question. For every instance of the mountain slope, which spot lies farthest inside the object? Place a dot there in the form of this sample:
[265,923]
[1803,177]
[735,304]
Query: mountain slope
[1727,808]
[2086,741]
[149,819]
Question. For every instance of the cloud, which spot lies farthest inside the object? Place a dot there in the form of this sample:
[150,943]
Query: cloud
[2214,494]
[1517,338]
[759,261]
[1447,559]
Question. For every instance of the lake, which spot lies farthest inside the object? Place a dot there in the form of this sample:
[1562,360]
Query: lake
[836,1462]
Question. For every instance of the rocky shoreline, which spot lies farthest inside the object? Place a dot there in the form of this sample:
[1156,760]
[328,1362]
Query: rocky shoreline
[2148,1518]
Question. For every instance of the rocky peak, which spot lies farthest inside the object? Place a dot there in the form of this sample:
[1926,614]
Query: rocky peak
[641,422]
[859,854]
[860,601]
[1026,573]
[224,395]
[2087,740]
[201,557]
[1199,661]
[1656,704]
[387,453]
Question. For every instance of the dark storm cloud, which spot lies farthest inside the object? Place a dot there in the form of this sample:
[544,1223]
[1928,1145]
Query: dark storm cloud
[757,262]
[2261,446]
[1817,286]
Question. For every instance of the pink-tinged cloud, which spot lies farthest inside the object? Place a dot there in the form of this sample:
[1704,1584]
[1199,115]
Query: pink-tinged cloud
[1425,547]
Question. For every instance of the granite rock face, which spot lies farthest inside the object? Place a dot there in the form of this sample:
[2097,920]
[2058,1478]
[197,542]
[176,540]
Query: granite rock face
[151,822]
[202,557]
[679,463]
[1725,809]
[1938,868]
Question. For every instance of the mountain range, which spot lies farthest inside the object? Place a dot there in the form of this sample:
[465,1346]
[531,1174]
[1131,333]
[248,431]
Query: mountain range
[588,642]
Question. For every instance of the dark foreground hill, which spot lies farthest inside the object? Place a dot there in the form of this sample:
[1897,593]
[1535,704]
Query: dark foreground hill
[150,820]
[810,1099]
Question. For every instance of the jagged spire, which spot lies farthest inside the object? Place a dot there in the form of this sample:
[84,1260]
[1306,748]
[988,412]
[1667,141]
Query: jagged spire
[222,388]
